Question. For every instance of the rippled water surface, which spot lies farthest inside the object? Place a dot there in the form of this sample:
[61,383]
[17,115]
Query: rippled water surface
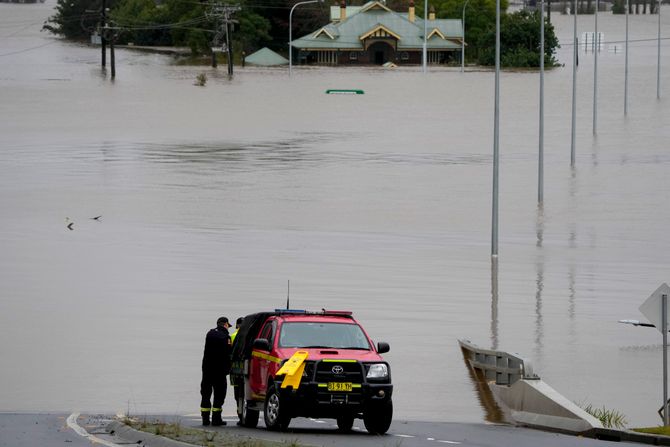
[212,198]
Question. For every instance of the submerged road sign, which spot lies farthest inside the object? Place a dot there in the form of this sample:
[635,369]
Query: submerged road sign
[651,308]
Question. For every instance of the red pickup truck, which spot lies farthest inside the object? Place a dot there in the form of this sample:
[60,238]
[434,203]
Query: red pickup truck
[338,372]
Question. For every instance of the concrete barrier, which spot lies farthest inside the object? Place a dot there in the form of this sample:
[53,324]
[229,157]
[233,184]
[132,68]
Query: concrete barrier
[522,396]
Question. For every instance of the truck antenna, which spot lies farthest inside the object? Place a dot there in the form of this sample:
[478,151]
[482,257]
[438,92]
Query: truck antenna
[288,293]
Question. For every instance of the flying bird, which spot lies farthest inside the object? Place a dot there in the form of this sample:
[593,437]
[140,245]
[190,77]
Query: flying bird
[96,218]
[70,224]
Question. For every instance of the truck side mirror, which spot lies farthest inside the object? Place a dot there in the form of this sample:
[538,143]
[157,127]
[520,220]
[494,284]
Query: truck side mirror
[383,347]
[262,343]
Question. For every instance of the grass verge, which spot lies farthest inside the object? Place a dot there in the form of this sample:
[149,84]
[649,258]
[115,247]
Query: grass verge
[654,430]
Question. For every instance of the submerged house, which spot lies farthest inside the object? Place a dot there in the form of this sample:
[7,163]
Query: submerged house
[374,34]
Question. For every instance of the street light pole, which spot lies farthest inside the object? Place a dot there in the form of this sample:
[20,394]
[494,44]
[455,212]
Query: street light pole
[290,32]
[664,326]
[658,65]
[463,41]
[625,84]
[574,86]
[425,35]
[595,74]
[540,165]
[496,139]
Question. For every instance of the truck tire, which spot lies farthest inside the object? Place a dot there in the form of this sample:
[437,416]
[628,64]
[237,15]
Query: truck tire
[344,423]
[377,418]
[248,417]
[275,413]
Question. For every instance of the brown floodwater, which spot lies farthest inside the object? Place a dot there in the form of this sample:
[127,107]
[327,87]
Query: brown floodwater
[213,197]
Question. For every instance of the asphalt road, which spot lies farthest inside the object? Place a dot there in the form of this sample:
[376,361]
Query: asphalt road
[51,430]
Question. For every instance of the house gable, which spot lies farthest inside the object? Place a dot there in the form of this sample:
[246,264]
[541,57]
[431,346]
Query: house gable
[370,6]
[323,31]
[379,31]
[436,31]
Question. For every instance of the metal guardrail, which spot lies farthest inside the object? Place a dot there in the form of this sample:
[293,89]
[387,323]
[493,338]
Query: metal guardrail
[503,367]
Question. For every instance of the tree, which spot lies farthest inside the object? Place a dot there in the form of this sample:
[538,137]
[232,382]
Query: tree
[480,16]
[75,19]
[520,41]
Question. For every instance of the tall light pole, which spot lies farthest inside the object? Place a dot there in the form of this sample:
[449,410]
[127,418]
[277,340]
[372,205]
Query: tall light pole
[425,35]
[463,41]
[658,66]
[290,32]
[625,82]
[540,164]
[595,74]
[574,88]
[496,139]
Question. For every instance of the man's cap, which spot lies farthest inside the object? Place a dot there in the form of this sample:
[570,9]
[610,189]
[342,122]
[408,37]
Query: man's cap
[221,321]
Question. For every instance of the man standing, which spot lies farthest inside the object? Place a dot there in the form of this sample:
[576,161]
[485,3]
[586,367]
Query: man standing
[238,323]
[215,368]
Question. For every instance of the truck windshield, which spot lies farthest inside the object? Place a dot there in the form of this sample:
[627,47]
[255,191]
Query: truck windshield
[323,335]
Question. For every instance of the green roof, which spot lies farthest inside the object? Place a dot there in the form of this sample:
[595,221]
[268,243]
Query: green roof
[444,33]
[265,57]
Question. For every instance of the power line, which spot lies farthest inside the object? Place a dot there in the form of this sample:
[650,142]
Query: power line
[27,49]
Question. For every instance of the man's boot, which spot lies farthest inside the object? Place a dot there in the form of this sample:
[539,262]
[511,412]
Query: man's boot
[216,418]
[205,417]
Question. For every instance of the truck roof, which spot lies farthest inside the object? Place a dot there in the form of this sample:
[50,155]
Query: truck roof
[252,325]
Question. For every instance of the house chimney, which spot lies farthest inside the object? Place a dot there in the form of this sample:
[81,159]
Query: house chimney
[343,11]
[410,14]
[431,13]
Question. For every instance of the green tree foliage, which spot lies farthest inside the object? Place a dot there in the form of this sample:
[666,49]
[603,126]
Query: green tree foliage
[519,41]
[184,23]
[306,18]
[141,21]
[76,19]
[253,31]
[619,7]
[480,17]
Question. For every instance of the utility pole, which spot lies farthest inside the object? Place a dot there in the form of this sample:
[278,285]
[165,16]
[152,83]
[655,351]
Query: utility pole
[223,13]
[103,25]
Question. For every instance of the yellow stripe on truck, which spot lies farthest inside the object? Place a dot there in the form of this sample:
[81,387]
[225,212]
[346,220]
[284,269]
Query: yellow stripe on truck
[263,356]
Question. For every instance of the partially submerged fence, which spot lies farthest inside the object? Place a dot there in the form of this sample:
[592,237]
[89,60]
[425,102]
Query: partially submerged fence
[503,367]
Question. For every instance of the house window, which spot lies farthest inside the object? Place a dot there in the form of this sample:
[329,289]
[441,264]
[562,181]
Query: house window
[404,56]
[353,55]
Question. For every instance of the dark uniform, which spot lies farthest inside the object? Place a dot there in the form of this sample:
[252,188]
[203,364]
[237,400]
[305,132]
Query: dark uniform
[215,368]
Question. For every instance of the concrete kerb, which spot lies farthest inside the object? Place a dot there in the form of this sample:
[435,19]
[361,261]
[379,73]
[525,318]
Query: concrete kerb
[142,438]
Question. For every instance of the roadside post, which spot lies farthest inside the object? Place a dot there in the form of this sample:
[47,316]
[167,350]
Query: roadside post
[655,308]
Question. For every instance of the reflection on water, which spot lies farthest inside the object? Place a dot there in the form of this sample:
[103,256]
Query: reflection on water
[212,198]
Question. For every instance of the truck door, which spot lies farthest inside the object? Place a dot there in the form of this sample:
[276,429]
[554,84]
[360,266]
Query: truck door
[262,361]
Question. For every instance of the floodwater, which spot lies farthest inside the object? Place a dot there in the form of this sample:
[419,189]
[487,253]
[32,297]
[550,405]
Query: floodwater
[213,197]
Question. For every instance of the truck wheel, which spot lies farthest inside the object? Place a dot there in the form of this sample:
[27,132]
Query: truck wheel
[248,417]
[377,418]
[275,413]
[344,423]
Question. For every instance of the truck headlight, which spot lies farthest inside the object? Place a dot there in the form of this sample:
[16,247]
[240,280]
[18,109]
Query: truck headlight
[378,371]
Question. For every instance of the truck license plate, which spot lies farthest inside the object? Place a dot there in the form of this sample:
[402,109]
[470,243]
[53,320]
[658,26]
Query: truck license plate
[339,386]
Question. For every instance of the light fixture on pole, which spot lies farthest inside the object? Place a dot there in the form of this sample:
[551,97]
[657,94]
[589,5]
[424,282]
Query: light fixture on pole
[463,40]
[290,32]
